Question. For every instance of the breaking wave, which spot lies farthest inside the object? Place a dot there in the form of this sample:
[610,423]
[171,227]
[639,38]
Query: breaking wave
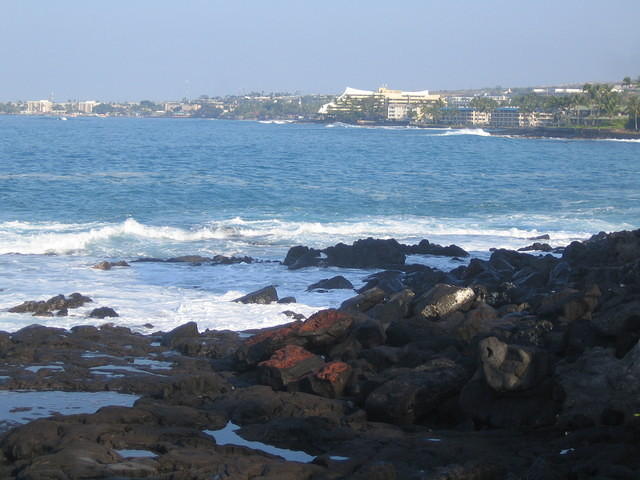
[464,131]
[240,236]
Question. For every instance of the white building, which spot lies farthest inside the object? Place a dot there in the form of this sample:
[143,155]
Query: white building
[39,106]
[393,104]
[87,106]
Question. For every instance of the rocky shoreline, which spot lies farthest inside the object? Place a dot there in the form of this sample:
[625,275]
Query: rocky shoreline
[568,133]
[518,367]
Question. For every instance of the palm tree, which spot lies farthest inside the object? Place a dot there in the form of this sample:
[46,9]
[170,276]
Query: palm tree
[576,101]
[633,109]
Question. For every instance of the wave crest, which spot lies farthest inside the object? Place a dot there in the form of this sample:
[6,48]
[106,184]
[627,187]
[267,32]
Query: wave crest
[131,238]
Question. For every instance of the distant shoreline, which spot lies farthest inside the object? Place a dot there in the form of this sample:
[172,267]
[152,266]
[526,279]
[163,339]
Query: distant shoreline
[583,133]
[569,133]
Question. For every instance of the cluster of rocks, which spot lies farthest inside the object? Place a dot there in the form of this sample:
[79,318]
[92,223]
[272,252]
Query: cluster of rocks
[61,305]
[367,253]
[46,308]
[198,260]
[518,367]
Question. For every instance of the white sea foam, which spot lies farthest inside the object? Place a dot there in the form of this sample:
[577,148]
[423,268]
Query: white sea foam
[464,131]
[270,237]
[163,294]
[166,295]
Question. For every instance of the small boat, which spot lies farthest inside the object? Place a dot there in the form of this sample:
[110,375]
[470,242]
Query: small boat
[63,118]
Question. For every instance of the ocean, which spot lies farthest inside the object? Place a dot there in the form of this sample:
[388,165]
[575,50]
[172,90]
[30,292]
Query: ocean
[77,192]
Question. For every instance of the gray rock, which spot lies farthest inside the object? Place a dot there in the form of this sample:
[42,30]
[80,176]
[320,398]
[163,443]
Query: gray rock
[103,312]
[263,296]
[443,300]
[334,283]
[598,382]
[512,367]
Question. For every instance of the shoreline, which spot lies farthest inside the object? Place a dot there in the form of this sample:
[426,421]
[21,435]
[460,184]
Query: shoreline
[582,133]
[452,373]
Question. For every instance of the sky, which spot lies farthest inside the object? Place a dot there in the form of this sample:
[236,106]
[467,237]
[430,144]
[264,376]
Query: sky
[121,50]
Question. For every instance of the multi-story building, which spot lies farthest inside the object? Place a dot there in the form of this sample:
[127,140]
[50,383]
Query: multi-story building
[87,106]
[464,116]
[512,117]
[387,103]
[39,106]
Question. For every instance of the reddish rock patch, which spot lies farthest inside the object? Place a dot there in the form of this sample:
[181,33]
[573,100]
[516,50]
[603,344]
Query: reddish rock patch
[287,357]
[323,320]
[275,335]
[332,372]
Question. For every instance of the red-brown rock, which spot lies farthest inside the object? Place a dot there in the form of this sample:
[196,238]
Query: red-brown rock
[326,327]
[330,381]
[261,346]
[288,365]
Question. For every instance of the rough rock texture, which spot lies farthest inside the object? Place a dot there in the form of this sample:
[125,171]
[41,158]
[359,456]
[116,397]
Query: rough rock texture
[598,383]
[369,253]
[333,283]
[263,296]
[517,367]
[409,397]
[288,365]
[105,265]
[427,248]
[103,312]
[512,367]
[443,300]
[44,308]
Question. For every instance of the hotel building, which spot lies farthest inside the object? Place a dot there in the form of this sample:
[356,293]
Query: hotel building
[393,104]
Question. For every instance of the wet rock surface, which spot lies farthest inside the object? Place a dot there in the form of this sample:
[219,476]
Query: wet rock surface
[517,367]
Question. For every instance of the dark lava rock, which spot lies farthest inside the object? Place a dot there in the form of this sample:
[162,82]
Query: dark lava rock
[536,407]
[537,246]
[368,253]
[540,237]
[294,254]
[334,283]
[426,248]
[179,335]
[603,249]
[391,281]
[397,307]
[224,260]
[260,403]
[59,302]
[35,335]
[103,312]
[512,367]
[301,257]
[425,279]
[109,265]
[598,381]
[364,301]
[263,296]
[189,259]
[408,397]
[285,300]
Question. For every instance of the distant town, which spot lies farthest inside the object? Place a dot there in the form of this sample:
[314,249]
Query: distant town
[597,105]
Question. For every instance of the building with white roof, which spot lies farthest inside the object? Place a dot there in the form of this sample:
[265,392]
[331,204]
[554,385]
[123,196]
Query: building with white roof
[387,103]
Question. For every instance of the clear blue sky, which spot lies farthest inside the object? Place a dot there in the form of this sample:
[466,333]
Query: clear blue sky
[161,49]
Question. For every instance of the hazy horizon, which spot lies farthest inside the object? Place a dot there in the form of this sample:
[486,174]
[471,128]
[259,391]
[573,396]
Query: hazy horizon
[159,50]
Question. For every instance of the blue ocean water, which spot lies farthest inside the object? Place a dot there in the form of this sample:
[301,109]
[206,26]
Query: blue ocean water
[87,189]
